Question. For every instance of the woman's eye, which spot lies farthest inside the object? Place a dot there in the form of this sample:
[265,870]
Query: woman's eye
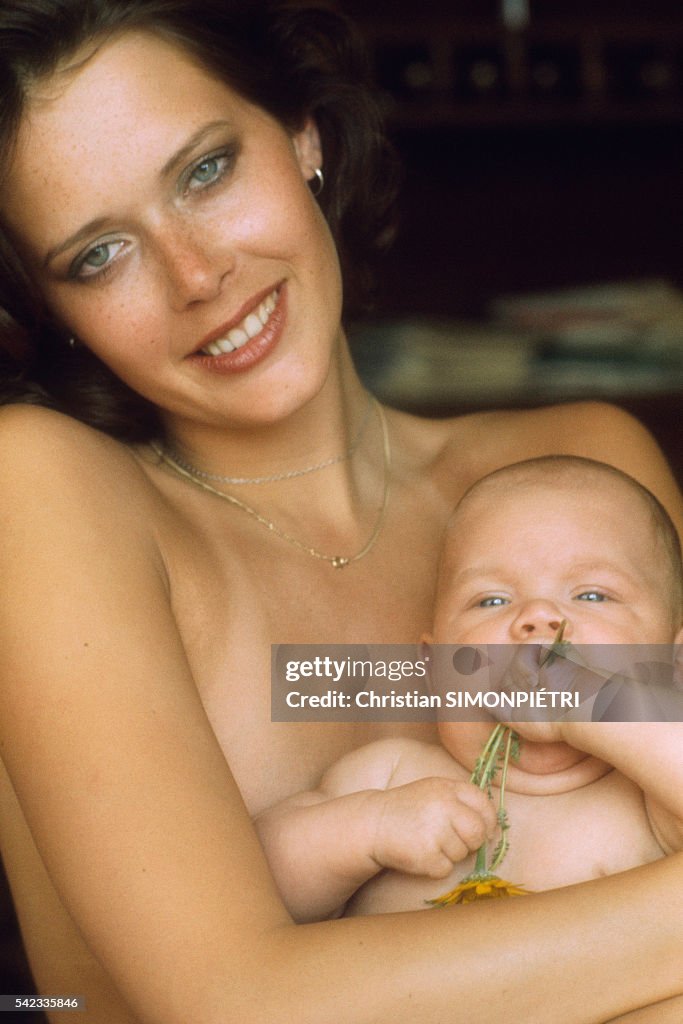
[494,602]
[591,595]
[96,259]
[207,172]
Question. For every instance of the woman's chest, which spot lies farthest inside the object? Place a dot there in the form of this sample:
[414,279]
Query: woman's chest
[237,599]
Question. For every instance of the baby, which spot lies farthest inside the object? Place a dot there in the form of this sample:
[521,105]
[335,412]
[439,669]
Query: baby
[398,822]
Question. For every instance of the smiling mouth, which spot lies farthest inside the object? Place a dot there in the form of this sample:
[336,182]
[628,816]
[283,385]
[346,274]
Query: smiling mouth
[248,328]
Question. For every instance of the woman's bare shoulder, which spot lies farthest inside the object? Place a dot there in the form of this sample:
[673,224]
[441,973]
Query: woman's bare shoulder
[595,430]
[480,442]
[462,449]
[34,434]
[48,456]
[69,488]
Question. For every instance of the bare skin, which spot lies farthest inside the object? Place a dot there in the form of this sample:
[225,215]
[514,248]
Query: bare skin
[398,822]
[139,610]
[130,535]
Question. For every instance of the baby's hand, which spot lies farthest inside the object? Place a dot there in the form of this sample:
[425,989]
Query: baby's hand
[539,732]
[535,669]
[426,826]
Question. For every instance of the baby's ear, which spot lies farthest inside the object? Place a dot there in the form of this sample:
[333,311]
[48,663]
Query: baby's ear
[425,646]
[424,653]
[678,659]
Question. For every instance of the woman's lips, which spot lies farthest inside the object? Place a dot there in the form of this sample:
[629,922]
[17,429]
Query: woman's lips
[248,342]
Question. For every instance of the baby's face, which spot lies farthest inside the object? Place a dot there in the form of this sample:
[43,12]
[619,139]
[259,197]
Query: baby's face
[519,562]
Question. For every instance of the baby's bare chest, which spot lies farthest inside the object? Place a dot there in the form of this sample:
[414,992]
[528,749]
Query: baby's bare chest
[559,840]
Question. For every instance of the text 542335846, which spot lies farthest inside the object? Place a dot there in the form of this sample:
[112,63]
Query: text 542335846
[19,1003]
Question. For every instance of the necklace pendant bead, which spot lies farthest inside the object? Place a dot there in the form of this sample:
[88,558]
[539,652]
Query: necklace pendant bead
[339,562]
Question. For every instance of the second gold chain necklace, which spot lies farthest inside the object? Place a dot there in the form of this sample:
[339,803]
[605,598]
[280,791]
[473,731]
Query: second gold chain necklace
[336,561]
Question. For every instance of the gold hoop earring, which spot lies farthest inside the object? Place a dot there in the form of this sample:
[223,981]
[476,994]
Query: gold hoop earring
[317,182]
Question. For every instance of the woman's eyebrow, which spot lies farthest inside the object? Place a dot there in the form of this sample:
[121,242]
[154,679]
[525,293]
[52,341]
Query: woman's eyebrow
[93,226]
[181,154]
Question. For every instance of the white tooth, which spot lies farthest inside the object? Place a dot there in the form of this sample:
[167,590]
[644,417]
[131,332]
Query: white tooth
[270,303]
[262,314]
[213,349]
[225,346]
[252,325]
[238,337]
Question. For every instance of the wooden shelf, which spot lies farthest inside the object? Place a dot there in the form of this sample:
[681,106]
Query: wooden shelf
[459,69]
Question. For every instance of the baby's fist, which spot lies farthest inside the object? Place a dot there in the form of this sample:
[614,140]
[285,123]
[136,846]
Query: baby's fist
[427,826]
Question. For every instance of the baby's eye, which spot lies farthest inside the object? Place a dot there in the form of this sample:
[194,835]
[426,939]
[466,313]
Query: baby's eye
[591,595]
[495,601]
[95,260]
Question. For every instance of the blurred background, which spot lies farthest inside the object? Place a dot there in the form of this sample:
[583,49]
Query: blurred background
[539,257]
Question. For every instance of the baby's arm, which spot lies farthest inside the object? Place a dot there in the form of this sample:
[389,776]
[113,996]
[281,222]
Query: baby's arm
[394,803]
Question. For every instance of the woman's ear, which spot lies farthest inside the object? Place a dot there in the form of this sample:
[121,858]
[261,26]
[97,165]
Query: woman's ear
[308,149]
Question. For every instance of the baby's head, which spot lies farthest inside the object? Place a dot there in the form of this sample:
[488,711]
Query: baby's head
[549,540]
[559,538]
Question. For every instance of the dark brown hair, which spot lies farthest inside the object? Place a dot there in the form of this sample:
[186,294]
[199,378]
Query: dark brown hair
[292,59]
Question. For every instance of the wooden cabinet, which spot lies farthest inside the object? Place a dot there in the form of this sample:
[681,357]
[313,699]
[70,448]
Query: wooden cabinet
[543,150]
[542,157]
[518,61]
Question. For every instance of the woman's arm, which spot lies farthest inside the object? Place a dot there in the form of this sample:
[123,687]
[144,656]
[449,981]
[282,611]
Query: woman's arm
[146,838]
[670,1011]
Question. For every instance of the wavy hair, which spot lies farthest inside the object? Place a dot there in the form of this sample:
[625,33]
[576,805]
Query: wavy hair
[294,60]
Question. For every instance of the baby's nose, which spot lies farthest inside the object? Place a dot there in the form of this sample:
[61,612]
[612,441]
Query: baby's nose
[539,620]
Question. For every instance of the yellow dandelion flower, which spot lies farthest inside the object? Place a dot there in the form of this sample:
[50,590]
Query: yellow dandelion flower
[479,887]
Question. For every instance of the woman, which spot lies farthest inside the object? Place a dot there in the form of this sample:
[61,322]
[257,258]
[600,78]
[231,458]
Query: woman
[169,277]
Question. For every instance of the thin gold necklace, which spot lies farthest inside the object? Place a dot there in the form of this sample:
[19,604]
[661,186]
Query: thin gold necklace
[289,474]
[336,561]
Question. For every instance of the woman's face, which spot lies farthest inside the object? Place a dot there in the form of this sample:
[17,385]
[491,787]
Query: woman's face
[171,229]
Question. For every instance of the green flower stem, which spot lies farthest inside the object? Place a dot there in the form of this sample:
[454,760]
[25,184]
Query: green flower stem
[491,759]
[483,775]
[556,648]
[502,847]
[485,767]
[480,868]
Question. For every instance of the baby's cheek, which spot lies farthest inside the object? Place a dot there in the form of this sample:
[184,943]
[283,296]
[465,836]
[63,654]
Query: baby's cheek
[464,740]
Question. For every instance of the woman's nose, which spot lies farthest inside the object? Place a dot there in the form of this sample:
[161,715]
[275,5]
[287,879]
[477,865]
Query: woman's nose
[193,271]
[539,619]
